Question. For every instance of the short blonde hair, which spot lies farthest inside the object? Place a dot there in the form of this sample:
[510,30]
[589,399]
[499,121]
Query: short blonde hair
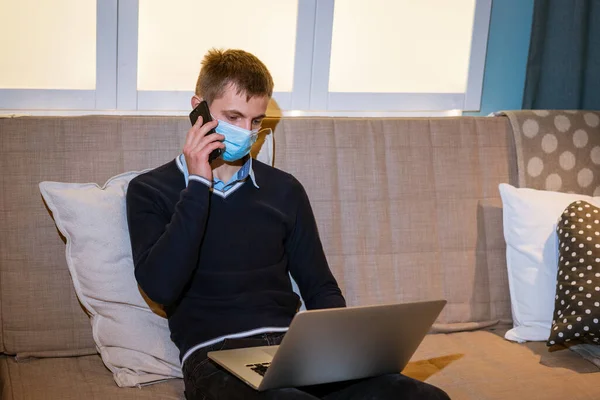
[221,68]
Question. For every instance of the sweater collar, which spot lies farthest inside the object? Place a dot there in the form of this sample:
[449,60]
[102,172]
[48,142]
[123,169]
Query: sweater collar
[244,172]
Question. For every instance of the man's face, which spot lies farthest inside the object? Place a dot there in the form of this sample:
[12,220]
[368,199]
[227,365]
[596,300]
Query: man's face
[233,108]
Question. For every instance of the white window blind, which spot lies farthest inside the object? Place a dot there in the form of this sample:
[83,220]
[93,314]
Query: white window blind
[48,44]
[327,57]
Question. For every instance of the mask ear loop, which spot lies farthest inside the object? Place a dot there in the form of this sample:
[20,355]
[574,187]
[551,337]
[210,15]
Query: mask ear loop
[262,133]
[261,130]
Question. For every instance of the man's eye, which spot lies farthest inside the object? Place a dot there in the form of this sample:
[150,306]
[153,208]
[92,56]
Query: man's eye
[232,118]
[257,122]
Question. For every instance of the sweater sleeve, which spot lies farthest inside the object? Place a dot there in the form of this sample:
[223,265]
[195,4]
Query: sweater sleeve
[165,248]
[307,262]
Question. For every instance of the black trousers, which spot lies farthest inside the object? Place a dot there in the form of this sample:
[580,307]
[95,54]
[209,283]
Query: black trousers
[205,380]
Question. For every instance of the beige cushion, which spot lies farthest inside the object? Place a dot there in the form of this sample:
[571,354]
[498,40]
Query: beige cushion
[74,378]
[482,365]
[40,312]
[468,366]
[408,209]
[440,218]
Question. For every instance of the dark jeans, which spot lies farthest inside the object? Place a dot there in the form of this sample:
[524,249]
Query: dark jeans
[205,380]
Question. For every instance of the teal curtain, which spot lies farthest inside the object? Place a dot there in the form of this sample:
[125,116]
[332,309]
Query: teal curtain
[563,67]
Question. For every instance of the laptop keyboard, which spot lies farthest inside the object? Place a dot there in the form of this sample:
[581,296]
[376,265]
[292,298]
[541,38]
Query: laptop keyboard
[260,368]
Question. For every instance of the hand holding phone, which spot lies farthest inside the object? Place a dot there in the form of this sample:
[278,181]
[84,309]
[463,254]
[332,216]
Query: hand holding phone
[202,144]
[203,111]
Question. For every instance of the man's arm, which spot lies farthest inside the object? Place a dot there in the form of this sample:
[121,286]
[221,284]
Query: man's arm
[165,248]
[307,261]
[165,251]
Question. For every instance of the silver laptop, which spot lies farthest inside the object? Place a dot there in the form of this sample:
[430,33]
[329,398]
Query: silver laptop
[333,345]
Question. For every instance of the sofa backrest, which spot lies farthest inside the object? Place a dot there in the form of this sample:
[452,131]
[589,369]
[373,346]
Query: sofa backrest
[407,209]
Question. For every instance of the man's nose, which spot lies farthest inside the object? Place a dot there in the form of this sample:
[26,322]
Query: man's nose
[247,124]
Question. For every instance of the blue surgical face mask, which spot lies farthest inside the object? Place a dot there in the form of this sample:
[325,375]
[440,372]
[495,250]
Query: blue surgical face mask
[238,141]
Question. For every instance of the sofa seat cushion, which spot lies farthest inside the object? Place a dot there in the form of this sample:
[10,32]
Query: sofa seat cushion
[478,365]
[73,378]
[482,365]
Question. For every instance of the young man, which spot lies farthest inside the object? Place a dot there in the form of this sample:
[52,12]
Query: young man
[213,242]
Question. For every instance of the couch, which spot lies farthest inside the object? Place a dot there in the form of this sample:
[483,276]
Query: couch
[408,210]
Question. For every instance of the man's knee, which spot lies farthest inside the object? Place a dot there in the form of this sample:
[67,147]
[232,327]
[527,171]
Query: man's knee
[409,388]
[288,394]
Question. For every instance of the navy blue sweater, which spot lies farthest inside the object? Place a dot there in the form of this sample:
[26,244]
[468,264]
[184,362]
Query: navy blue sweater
[220,265]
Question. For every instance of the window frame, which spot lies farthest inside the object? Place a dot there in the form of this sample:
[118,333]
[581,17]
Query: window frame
[116,75]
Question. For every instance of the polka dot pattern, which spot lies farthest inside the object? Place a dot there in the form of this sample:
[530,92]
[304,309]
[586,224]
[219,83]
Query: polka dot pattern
[580,138]
[595,155]
[585,177]
[562,123]
[577,300]
[567,160]
[554,182]
[549,143]
[531,128]
[592,119]
[535,166]
[541,113]
[559,150]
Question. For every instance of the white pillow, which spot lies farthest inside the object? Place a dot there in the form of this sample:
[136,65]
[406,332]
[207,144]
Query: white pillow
[530,217]
[133,341]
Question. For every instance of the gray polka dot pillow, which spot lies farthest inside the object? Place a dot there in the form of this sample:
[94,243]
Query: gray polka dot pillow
[577,304]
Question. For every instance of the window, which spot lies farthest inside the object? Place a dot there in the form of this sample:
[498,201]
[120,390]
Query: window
[327,57]
[399,54]
[169,57]
[33,59]
[58,54]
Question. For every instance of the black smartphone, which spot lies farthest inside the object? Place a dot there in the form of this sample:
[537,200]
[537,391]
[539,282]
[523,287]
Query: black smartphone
[203,111]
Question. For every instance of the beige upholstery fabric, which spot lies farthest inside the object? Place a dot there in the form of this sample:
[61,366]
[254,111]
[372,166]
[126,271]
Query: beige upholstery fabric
[73,378]
[468,365]
[557,149]
[40,309]
[407,210]
[482,365]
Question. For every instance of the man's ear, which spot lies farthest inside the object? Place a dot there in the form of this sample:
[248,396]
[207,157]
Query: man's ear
[196,100]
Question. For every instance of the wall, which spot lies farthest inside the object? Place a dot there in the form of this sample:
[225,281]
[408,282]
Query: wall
[506,60]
